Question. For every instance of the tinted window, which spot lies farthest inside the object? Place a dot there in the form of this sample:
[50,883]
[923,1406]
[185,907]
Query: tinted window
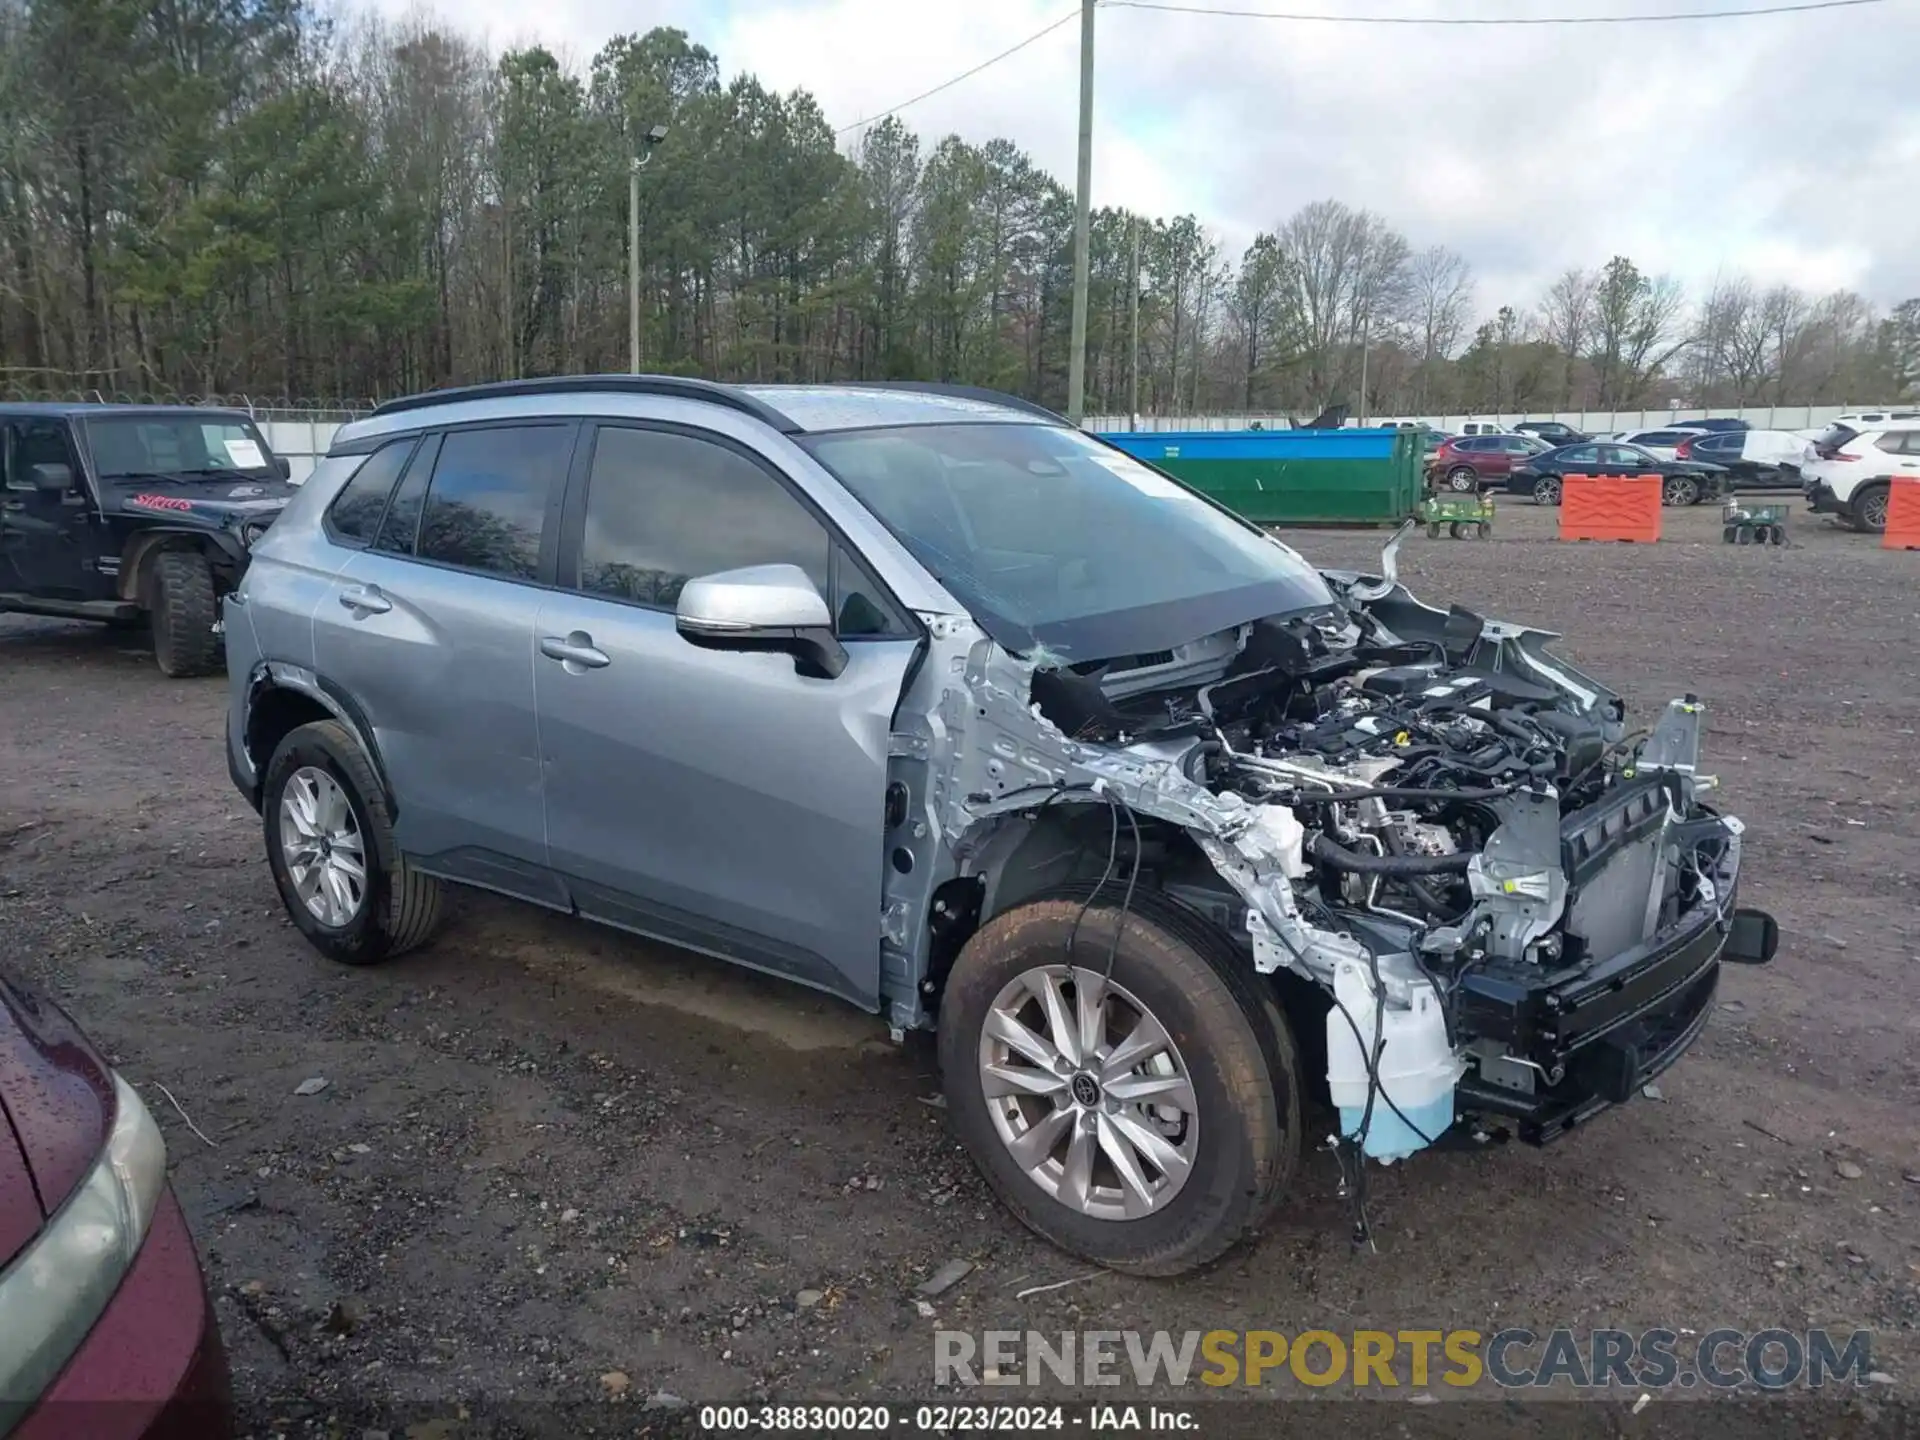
[403,515]
[1475,445]
[1894,443]
[1628,455]
[1580,455]
[36,442]
[487,503]
[1834,436]
[356,510]
[663,509]
[1521,445]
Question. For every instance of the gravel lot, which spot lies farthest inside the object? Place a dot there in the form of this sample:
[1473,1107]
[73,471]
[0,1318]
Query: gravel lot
[556,1171]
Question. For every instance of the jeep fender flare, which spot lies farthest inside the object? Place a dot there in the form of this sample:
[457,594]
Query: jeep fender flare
[136,560]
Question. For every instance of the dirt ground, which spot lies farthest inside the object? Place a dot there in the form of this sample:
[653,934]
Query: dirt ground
[547,1153]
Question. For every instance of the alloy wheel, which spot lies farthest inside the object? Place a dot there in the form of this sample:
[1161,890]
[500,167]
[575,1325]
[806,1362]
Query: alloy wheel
[1873,510]
[1546,490]
[1088,1092]
[321,843]
[1680,490]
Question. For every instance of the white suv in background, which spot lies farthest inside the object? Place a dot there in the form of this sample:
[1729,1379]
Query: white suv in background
[1849,472]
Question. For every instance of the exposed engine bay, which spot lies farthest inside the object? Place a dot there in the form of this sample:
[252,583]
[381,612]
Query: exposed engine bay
[1514,905]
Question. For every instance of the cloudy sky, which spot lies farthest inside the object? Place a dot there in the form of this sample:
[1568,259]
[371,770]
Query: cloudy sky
[1785,147]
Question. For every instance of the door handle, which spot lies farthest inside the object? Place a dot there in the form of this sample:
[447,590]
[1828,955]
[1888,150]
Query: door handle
[365,600]
[575,651]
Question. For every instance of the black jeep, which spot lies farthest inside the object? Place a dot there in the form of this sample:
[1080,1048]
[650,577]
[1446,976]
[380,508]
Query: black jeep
[134,514]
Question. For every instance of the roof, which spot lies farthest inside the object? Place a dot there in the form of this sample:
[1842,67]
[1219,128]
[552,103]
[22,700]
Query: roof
[792,409]
[85,409]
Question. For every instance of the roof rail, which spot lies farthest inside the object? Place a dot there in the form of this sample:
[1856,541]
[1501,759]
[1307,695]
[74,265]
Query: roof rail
[961,392]
[679,387]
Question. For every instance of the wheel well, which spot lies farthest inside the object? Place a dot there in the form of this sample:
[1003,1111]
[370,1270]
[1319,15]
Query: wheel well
[1072,844]
[275,713]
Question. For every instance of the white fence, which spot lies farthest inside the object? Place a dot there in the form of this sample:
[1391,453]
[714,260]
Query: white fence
[1594,422]
[300,442]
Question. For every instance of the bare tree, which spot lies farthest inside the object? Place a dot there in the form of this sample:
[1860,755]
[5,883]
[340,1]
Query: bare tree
[1440,299]
[1346,270]
[1733,353]
[1566,319]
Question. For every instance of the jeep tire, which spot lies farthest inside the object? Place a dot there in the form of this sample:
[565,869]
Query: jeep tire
[1229,1043]
[393,907]
[181,602]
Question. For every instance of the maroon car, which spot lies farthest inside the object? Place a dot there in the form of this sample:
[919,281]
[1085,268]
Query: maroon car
[106,1332]
[1471,462]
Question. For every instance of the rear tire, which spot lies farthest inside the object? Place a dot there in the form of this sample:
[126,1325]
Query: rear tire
[1232,1046]
[1546,490]
[184,610]
[1463,479]
[1869,508]
[395,907]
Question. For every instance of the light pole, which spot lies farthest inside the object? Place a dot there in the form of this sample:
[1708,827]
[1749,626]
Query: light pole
[652,138]
[1083,195]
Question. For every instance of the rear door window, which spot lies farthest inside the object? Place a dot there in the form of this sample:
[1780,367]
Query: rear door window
[1581,455]
[487,504]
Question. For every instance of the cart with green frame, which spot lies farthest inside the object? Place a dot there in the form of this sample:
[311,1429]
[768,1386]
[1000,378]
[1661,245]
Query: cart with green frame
[1465,516]
[1744,523]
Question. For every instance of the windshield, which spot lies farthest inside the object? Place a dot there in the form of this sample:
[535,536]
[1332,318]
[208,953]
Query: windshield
[1049,537]
[175,445]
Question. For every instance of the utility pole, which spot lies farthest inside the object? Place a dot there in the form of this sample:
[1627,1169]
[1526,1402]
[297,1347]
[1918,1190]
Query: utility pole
[633,265]
[1082,240]
[1366,329]
[1133,322]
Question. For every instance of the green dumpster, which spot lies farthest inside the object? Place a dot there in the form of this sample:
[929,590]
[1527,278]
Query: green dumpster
[1292,477]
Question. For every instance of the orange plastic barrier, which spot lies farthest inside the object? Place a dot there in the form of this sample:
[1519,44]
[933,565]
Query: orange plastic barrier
[1605,507]
[1903,515]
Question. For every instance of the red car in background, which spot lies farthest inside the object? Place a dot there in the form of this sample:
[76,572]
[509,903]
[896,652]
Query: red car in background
[1468,463]
[106,1332]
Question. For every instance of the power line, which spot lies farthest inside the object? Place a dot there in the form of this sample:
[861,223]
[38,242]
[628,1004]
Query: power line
[1486,20]
[1073,14]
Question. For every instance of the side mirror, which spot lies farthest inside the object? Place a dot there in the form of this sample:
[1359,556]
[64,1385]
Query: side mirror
[284,466]
[762,607]
[52,479]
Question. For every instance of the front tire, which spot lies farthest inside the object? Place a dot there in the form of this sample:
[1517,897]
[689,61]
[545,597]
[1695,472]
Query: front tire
[183,610]
[330,845]
[1145,1124]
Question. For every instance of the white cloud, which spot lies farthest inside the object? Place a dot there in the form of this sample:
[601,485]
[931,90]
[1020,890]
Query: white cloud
[1781,146]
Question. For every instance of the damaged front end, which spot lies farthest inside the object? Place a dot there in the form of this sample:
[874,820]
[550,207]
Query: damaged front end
[1513,907]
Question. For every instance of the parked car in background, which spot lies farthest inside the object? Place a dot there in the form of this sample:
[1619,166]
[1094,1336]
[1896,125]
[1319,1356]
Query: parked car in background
[1851,472]
[1711,425]
[134,514]
[1868,419]
[1683,482]
[1754,459]
[1484,427]
[1663,443]
[105,1326]
[1551,432]
[1468,463]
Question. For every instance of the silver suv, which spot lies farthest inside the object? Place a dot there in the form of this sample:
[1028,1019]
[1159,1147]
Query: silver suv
[922,697]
